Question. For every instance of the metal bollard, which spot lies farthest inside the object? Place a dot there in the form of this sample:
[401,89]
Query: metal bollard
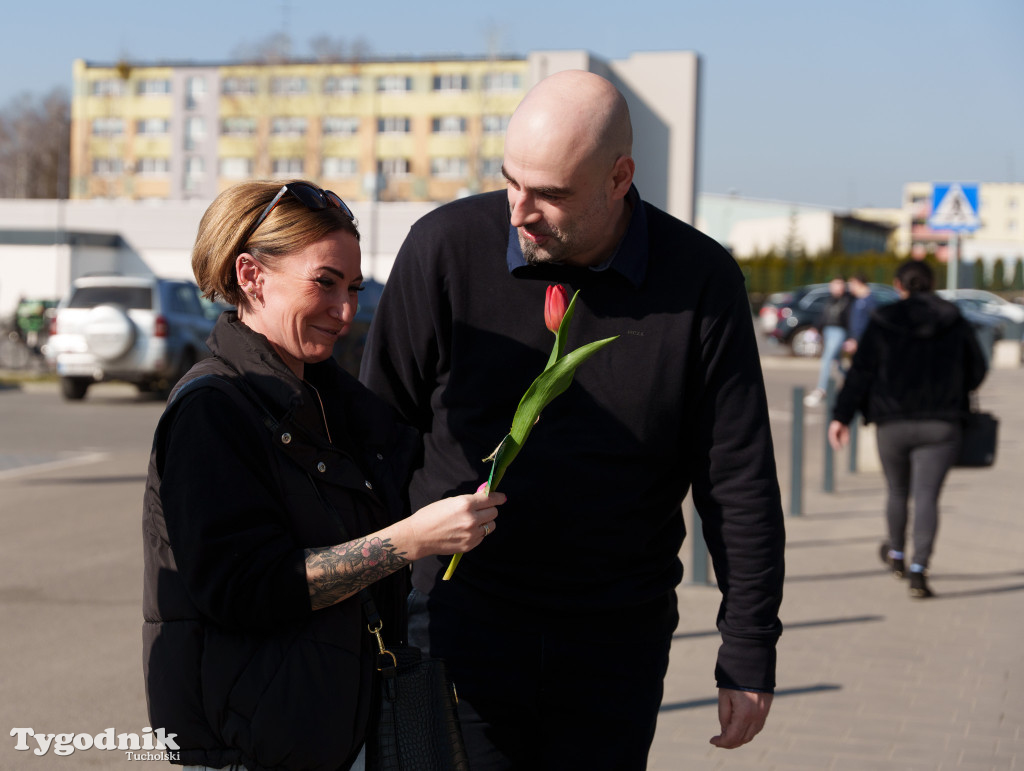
[701,564]
[829,475]
[796,467]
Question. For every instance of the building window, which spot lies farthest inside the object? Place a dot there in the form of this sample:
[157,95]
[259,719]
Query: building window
[340,168]
[238,126]
[393,167]
[288,126]
[238,86]
[495,124]
[340,125]
[152,126]
[152,167]
[107,167]
[194,170]
[492,167]
[153,87]
[449,168]
[394,84]
[107,127]
[287,167]
[288,86]
[393,125]
[195,91]
[195,132]
[501,81]
[451,83]
[344,84]
[108,87]
[236,168]
[449,124]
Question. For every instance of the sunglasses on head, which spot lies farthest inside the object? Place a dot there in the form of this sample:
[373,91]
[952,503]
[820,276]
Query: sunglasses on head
[310,196]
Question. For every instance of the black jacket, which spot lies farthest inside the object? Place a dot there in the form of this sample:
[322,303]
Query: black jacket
[236,662]
[918,360]
[835,313]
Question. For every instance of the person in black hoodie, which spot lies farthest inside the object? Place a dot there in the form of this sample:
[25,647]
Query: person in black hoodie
[276,491]
[914,369]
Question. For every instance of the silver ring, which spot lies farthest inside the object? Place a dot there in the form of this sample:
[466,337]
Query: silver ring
[487,528]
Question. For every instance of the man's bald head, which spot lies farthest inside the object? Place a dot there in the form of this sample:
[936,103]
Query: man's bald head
[569,168]
[574,114]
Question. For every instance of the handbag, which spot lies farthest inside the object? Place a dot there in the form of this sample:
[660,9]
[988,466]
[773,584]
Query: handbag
[417,723]
[980,436]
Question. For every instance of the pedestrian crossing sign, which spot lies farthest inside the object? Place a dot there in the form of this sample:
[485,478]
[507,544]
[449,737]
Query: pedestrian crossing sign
[954,207]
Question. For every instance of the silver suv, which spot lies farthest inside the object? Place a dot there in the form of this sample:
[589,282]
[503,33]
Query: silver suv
[146,331]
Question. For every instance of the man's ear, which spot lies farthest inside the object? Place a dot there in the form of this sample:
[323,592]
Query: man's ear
[622,176]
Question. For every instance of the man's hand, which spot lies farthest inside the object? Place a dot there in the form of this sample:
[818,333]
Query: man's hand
[742,715]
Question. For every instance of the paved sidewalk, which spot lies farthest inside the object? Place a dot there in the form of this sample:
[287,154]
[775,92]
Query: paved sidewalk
[869,678]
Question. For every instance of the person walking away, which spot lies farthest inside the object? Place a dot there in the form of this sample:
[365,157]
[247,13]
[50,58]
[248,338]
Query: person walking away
[832,323]
[558,632]
[914,369]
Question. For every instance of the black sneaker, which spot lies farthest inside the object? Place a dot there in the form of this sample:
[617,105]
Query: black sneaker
[919,586]
[896,565]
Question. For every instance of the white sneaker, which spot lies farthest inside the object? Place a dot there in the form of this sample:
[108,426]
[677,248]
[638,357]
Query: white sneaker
[814,398]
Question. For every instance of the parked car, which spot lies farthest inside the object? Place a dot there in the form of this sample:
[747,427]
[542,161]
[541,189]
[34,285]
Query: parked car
[141,330]
[789,317]
[348,351]
[992,304]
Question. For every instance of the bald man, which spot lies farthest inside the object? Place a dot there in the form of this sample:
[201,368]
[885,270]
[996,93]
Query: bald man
[557,629]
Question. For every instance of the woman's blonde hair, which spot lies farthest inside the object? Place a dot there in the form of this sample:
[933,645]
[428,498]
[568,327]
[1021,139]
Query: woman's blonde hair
[226,231]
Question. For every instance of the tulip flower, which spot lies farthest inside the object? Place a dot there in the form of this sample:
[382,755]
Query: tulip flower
[555,302]
[555,378]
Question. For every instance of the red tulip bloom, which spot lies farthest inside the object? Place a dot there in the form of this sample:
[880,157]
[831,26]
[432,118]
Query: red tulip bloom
[555,303]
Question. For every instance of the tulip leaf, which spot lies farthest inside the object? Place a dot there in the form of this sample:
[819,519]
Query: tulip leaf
[503,456]
[549,384]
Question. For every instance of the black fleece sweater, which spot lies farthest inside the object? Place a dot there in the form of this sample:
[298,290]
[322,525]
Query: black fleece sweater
[918,359]
[593,519]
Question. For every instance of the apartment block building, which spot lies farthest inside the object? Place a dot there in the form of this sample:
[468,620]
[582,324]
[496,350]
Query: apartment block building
[388,130]
[421,130]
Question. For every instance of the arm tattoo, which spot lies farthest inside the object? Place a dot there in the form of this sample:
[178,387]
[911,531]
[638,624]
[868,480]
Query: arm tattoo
[337,572]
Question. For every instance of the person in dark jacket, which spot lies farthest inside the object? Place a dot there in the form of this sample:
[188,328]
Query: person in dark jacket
[914,369]
[276,491]
[832,324]
[558,630]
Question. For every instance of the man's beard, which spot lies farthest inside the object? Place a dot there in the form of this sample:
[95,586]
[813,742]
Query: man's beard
[558,246]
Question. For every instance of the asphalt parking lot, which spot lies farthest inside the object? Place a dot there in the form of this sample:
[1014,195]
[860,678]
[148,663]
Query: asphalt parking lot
[868,678]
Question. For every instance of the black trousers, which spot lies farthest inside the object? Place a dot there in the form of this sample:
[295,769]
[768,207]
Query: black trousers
[916,455]
[550,691]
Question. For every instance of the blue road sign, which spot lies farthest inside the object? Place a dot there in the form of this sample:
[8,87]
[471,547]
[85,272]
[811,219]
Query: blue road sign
[955,207]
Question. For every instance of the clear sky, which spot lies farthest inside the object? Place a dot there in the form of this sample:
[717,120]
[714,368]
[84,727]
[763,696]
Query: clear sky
[811,101]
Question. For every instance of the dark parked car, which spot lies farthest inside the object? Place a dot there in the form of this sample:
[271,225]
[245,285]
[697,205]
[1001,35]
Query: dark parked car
[348,351]
[789,317]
